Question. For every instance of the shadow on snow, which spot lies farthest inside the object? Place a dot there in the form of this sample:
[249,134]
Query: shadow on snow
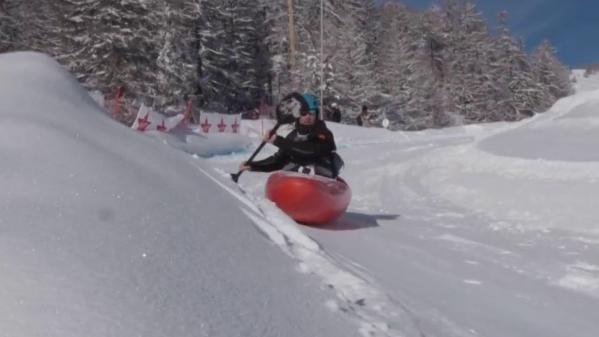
[353,221]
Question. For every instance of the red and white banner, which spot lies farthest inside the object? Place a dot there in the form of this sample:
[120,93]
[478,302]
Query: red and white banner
[147,119]
[219,123]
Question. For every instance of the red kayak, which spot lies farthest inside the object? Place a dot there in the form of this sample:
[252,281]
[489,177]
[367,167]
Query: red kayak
[309,199]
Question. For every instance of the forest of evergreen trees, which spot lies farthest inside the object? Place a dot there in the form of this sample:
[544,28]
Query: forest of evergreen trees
[420,69]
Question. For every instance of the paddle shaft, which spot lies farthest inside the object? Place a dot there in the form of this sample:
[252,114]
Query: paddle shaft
[235,176]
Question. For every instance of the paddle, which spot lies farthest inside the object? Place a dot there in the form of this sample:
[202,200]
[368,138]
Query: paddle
[235,176]
[287,111]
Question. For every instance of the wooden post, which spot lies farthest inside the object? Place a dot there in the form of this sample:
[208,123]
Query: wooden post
[116,108]
[291,34]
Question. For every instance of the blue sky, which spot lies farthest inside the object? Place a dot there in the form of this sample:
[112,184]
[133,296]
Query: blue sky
[572,26]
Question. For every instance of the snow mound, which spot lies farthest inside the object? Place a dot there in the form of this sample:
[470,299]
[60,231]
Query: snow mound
[105,232]
[530,175]
[569,131]
[585,83]
[203,145]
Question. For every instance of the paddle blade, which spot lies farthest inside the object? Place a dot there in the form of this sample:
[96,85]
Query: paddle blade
[235,176]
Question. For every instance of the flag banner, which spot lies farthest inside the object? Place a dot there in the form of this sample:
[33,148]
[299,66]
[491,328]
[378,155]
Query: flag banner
[147,119]
[219,123]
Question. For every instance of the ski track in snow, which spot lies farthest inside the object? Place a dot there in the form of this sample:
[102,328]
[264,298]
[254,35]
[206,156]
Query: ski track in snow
[581,276]
[408,175]
[415,190]
[356,296]
[360,296]
[411,181]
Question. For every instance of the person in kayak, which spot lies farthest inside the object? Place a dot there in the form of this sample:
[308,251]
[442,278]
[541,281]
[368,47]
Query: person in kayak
[308,148]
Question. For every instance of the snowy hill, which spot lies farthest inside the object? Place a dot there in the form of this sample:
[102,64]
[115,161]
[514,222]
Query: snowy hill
[105,232]
[585,83]
[485,230]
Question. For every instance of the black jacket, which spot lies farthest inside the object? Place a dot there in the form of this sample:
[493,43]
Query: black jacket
[315,147]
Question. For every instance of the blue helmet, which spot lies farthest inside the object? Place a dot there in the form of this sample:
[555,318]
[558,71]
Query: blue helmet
[295,105]
[312,102]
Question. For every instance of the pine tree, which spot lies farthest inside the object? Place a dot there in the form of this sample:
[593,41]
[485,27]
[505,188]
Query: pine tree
[467,80]
[114,44]
[227,52]
[276,42]
[177,62]
[351,60]
[391,52]
[515,94]
[12,27]
[32,25]
[434,68]
[306,74]
[407,65]
[29,24]
[261,75]
[8,29]
[549,72]
[428,101]
[528,95]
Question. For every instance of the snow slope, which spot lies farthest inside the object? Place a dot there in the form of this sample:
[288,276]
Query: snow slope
[106,232]
[484,230]
[584,83]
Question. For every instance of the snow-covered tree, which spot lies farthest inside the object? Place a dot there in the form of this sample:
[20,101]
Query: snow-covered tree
[467,77]
[228,51]
[8,29]
[351,59]
[515,93]
[549,71]
[177,61]
[12,25]
[427,102]
[261,68]
[406,63]
[114,44]
[430,68]
[276,42]
[309,63]
[391,51]
[346,55]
